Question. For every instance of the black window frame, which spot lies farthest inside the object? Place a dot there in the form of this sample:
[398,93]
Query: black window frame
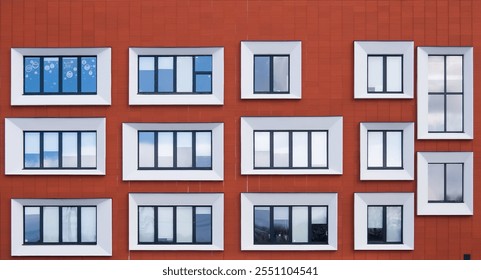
[174,240]
[60,141]
[60,92]
[445,164]
[384,74]
[384,148]
[79,225]
[271,74]
[384,225]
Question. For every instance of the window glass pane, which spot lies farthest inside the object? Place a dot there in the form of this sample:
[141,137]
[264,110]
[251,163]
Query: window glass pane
[394,73]
[88,224]
[203,225]
[281,149]
[32,224]
[69,74]
[203,83]
[166,74]
[394,149]
[281,224]
[69,149]
[184,74]
[32,74]
[89,74]
[184,149]
[454,73]
[299,224]
[319,224]
[375,224]
[262,148]
[299,149]
[375,74]
[184,224]
[146,74]
[50,149]
[51,224]
[89,149]
[374,149]
[454,182]
[69,224]
[166,149]
[435,112]
[262,73]
[435,73]
[435,182]
[319,149]
[319,215]
[165,225]
[146,224]
[203,63]
[203,149]
[32,149]
[262,224]
[281,73]
[454,112]
[146,149]
[50,74]
[394,224]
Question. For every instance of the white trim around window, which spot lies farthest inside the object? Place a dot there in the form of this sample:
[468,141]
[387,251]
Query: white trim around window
[102,97]
[216,200]
[103,247]
[14,148]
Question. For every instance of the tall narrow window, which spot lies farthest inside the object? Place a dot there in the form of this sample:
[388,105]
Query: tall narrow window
[384,149]
[271,73]
[385,73]
[384,224]
[445,182]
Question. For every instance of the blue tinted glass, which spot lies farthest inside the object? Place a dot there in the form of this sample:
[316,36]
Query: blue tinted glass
[69,74]
[32,74]
[50,74]
[146,74]
[203,225]
[203,83]
[32,224]
[166,74]
[32,149]
[89,74]
[262,224]
[203,63]
[262,74]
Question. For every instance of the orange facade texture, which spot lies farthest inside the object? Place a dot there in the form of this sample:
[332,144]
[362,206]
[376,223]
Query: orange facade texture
[327,30]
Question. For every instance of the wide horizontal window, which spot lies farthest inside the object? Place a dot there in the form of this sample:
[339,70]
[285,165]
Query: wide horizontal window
[384,224]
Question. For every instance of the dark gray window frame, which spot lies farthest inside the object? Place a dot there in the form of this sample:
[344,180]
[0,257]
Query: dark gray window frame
[384,74]
[384,153]
[445,182]
[384,225]
[271,74]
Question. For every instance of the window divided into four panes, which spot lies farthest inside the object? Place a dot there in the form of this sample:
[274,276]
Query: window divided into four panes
[271,73]
[175,225]
[445,182]
[385,149]
[385,73]
[60,225]
[384,224]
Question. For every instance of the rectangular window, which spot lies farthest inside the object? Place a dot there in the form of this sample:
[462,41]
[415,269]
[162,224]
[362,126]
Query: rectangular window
[175,224]
[60,150]
[60,225]
[385,74]
[271,73]
[384,149]
[175,74]
[44,75]
[445,182]
[384,224]
[175,150]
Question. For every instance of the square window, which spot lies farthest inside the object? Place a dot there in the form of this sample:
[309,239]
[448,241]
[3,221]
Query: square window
[61,76]
[293,221]
[166,221]
[271,70]
[61,227]
[445,93]
[291,145]
[387,151]
[383,70]
[173,151]
[55,146]
[445,183]
[176,76]
[383,221]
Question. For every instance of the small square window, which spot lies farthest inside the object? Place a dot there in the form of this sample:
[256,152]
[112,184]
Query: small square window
[383,70]
[271,70]
[387,151]
[384,224]
[445,183]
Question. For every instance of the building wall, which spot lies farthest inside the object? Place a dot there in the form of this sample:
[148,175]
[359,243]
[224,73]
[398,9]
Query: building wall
[327,30]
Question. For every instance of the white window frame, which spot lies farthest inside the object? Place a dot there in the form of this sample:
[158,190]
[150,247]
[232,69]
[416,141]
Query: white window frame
[216,200]
[249,200]
[363,200]
[104,229]
[440,208]
[216,98]
[422,81]
[407,172]
[251,48]
[14,153]
[364,48]
[103,96]
[332,124]
[130,153]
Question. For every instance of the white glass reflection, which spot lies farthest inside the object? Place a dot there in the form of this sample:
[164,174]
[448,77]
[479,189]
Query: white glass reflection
[51,224]
[394,149]
[435,182]
[203,149]
[262,149]
[165,142]
[393,224]
[436,112]
[50,149]
[299,149]
[394,74]
[184,74]
[319,149]
[281,224]
[300,224]
[32,149]
[146,149]
[88,149]
[165,231]
[319,215]
[375,149]
[374,217]
[89,224]
[454,182]
[454,112]
[184,224]
[375,74]
[454,73]
[281,149]
[435,73]
[69,149]
[281,73]
[146,224]
[184,149]
[69,224]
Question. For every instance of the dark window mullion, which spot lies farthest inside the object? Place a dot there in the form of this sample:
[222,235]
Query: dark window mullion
[384,149]
[309,149]
[291,149]
[41,150]
[41,89]
[194,222]
[156,74]
[194,150]
[79,74]
[174,230]
[79,224]
[384,73]
[174,74]
[271,148]
[289,237]
[60,149]
[309,224]
[156,224]
[272,235]
[445,165]
[60,225]
[156,149]
[193,75]
[79,149]
[174,146]
[60,71]
[271,73]
[384,223]
[41,225]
